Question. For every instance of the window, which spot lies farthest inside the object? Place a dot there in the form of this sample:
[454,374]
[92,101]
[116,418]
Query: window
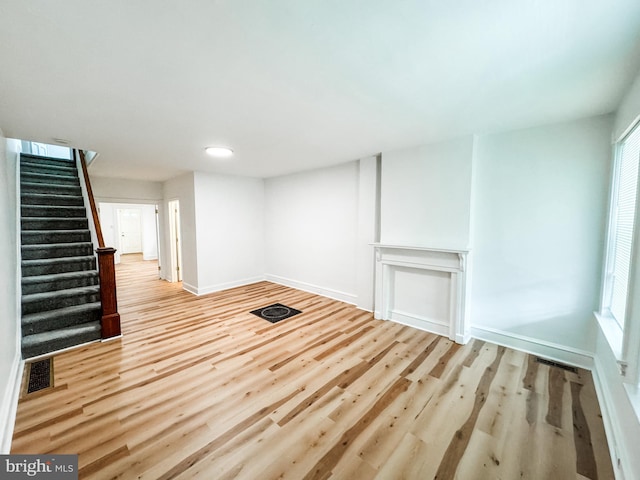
[623,214]
[619,315]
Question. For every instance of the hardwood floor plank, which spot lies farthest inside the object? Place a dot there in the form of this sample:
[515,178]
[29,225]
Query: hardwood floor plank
[459,442]
[556,392]
[237,429]
[199,388]
[333,456]
[586,462]
[593,417]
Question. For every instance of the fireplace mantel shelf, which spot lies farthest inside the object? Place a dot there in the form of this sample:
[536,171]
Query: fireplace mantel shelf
[421,248]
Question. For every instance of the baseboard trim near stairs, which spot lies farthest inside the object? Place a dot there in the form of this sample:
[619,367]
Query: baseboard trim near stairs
[9,406]
[110,339]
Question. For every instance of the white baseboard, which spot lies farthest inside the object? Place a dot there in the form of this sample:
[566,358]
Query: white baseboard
[221,286]
[9,405]
[463,339]
[308,287]
[550,350]
[189,288]
[111,339]
[618,450]
[419,322]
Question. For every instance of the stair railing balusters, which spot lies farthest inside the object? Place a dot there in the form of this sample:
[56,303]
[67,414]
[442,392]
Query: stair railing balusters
[106,267]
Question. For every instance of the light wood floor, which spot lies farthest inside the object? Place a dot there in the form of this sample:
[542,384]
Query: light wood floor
[200,388]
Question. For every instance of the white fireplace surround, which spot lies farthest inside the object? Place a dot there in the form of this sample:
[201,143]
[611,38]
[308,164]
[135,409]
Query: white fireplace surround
[454,262]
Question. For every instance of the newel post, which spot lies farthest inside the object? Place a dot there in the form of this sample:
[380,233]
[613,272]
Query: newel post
[107,272]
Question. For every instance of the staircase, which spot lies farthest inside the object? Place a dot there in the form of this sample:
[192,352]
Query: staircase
[60,284]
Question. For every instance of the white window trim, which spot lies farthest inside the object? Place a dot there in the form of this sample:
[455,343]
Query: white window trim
[624,342]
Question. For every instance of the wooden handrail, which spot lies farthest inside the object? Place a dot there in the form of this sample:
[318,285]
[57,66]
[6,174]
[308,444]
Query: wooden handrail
[110,320]
[92,202]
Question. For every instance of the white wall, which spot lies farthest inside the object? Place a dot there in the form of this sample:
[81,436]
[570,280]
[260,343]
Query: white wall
[181,188]
[628,111]
[311,221]
[229,217]
[108,220]
[149,232]
[426,195]
[539,217]
[9,293]
[119,190]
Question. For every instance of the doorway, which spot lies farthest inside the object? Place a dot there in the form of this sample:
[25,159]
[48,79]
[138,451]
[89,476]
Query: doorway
[132,229]
[175,274]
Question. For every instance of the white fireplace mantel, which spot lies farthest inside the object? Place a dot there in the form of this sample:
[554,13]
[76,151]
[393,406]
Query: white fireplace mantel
[453,262]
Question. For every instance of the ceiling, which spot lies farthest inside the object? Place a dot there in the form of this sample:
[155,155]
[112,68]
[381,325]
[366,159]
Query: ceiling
[292,85]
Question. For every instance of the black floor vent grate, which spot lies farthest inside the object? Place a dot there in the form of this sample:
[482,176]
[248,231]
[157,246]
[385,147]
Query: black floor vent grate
[556,364]
[40,375]
[276,312]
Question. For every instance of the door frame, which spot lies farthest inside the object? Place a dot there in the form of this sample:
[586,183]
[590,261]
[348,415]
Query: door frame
[175,241]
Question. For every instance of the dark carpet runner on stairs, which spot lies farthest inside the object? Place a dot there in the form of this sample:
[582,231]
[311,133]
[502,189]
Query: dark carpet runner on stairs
[60,291]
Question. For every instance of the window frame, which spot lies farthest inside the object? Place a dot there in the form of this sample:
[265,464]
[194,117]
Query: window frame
[624,340]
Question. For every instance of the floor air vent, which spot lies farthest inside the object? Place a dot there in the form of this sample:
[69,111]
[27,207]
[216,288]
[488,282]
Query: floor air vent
[276,312]
[40,375]
[556,364]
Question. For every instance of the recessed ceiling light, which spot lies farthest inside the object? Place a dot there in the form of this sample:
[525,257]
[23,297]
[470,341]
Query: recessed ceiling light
[61,141]
[219,151]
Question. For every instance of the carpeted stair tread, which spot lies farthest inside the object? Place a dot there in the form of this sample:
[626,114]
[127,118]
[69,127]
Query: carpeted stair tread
[55,261]
[57,211]
[59,281]
[31,187]
[44,158]
[56,250]
[49,178]
[45,266]
[28,198]
[58,299]
[69,292]
[31,237]
[54,223]
[34,167]
[47,161]
[26,184]
[60,318]
[46,342]
[61,312]
[58,276]
[88,327]
[28,166]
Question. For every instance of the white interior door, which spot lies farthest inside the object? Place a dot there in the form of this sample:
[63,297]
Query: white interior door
[130,230]
[174,247]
